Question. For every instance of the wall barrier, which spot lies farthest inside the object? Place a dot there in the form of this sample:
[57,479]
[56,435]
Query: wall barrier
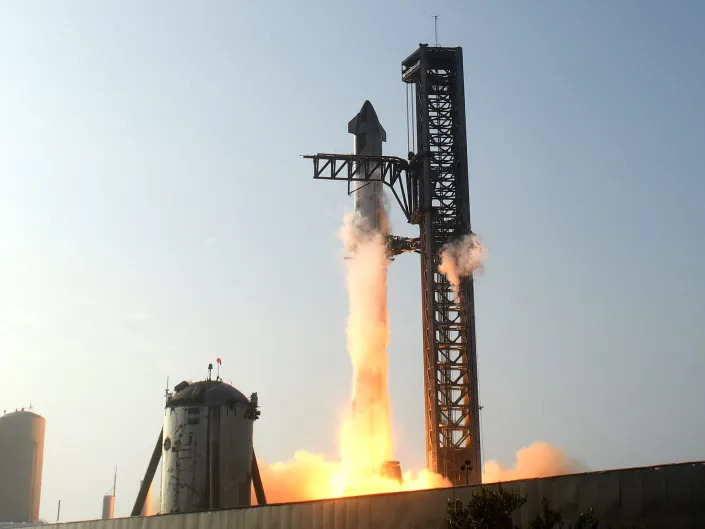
[661,497]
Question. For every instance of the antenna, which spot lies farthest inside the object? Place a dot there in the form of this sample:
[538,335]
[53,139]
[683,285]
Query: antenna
[435,27]
[166,391]
[111,492]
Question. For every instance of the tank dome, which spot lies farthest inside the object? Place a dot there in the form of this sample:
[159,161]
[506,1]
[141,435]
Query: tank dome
[20,415]
[205,393]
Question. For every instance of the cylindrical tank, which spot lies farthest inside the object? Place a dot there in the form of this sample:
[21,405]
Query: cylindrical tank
[108,507]
[207,448]
[21,460]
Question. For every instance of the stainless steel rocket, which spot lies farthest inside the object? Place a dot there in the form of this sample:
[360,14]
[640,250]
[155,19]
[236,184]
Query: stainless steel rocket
[369,196]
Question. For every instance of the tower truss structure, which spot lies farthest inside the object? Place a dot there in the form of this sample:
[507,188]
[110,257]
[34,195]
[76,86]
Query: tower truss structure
[450,355]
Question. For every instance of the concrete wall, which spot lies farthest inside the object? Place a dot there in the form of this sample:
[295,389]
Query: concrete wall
[670,496]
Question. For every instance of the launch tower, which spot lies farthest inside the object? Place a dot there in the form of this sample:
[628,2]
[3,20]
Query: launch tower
[450,360]
[432,190]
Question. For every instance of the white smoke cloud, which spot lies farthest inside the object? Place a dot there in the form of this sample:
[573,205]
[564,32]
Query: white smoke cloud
[538,460]
[365,434]
[461,258]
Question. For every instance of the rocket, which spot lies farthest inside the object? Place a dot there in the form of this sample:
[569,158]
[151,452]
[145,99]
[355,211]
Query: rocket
[369,196]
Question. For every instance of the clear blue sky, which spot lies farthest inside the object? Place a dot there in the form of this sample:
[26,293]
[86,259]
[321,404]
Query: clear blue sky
[154,214]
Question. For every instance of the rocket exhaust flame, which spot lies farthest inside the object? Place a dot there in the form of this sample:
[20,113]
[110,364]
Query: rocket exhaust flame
[365,433]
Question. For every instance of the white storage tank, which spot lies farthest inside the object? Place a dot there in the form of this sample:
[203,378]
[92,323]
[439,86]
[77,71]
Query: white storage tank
[21,461]
[207,447]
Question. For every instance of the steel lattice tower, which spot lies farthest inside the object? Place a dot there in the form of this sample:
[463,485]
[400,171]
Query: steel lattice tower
[432,190]
[450,359]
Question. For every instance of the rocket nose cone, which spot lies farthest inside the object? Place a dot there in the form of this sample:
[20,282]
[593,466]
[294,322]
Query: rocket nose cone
[368,114]
[366,121]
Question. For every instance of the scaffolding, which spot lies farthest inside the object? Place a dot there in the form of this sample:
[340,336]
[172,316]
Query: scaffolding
[450,358]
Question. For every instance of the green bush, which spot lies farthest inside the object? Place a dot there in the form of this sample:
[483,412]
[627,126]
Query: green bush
[492,509]
[487,509]
[548,518]
[587,520]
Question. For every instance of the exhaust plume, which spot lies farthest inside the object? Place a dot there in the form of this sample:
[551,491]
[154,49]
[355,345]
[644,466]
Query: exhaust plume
[538,460]
[461,258]
[305,476]
[365,434]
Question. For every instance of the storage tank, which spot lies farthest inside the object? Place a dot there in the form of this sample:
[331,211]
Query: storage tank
[21,460]
[207,447]
[108,507]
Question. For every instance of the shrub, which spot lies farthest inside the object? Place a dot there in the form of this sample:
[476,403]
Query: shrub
[487,509]
[548,518]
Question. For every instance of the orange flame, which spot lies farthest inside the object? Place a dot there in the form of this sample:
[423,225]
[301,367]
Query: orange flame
[365,433]
[538,460]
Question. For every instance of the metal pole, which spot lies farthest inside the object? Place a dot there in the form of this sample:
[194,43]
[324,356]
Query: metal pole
[58,511]
[435,28]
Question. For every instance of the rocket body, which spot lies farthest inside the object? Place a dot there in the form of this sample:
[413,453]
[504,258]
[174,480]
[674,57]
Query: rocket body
[369,196]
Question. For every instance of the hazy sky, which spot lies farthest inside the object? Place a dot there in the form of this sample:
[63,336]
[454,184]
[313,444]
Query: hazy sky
[155,214]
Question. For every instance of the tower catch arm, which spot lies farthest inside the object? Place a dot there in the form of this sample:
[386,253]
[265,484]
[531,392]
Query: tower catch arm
[392,171]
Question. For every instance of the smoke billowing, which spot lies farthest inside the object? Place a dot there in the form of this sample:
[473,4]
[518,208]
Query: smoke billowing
[538,460]
[461,258]
[305,476]
[365,435]
[365,438]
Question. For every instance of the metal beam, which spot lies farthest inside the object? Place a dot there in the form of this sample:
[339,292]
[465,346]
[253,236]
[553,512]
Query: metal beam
[148,475]
[396,173]
[257,481]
